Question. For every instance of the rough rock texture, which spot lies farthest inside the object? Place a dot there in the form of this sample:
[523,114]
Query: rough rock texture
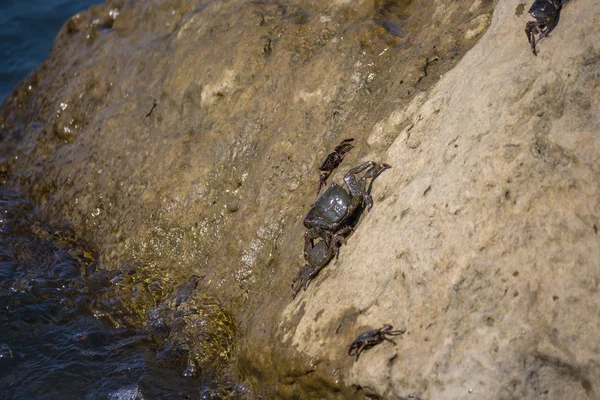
[186,135]
[484,241]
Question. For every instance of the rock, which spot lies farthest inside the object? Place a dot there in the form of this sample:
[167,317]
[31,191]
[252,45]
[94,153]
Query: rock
[146,135]
[495,267]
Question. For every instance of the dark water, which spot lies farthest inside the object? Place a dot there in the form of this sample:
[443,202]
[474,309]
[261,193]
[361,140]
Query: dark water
[69,330]
[27,30]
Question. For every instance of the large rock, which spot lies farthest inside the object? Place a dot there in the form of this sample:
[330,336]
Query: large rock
[186,136]
[483,241]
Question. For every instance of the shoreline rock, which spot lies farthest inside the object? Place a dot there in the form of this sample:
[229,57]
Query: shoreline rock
[190,137]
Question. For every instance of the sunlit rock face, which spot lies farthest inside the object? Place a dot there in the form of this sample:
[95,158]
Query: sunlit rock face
[187,135]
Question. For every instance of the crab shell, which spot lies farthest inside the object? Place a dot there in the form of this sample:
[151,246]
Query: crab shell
[332,206]
[319,255]
[369,336]
[544,11]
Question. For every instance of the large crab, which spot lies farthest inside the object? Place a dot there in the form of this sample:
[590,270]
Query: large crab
[329,218]
[368,339]
[544,12]
[336,207]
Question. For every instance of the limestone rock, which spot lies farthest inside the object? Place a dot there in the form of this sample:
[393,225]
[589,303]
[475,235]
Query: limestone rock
[483,241]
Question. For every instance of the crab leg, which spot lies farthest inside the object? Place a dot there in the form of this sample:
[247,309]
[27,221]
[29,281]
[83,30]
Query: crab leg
[531,29]
[372,173]
[356,187]
[395,333]
[338,239]
[359,350]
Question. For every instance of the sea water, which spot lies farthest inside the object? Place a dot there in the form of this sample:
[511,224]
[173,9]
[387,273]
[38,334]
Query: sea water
[27,30]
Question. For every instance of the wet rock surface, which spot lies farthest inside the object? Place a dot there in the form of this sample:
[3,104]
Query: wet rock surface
[118,332]
[187,136]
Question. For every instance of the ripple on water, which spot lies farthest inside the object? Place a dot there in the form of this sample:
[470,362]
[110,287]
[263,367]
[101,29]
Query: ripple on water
[127,393]
[52,345]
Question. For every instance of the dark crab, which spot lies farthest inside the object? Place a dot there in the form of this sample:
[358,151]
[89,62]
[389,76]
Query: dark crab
[316,259]
[336,206]
[544,12]
[333,160]
[368,339]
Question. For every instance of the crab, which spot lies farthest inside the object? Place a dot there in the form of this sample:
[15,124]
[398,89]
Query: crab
[333,160]
[317,258]
[335,208]
[544,12]
[368,339]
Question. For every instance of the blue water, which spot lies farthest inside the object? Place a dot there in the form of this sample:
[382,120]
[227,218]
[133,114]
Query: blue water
[58,312]
[27,30]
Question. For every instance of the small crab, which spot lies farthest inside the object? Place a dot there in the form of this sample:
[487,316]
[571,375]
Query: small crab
[334,209]
[333,160]
[368,339]
[544,12]
[317,258]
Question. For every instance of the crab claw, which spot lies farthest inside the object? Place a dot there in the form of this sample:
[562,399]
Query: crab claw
[376,169]
[333,160]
